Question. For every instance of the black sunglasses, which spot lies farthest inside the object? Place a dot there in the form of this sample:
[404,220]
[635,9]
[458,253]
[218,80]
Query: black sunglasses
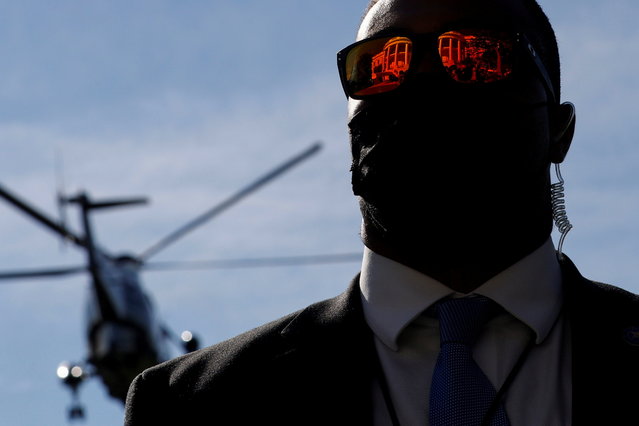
[382,64]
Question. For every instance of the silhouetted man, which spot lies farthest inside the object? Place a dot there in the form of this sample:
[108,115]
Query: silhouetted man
[464,312]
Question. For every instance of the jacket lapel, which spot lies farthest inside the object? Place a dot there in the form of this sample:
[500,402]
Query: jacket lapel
[333,337]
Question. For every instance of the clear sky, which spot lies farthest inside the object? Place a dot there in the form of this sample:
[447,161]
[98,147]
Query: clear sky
[188,101]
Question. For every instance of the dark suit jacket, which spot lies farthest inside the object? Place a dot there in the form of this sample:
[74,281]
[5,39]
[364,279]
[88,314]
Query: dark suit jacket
[315,366]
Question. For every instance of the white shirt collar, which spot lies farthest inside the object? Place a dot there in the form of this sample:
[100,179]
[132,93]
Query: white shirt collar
[394,294]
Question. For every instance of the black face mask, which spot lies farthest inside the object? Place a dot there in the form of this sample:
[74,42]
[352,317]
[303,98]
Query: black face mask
[435,131]
[408,150]
[461,157]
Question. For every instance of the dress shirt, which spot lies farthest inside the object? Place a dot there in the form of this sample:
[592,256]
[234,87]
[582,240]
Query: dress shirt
[395,298]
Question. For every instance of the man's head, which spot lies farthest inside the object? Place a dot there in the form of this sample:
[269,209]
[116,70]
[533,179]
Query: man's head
[543,38]
[451,165]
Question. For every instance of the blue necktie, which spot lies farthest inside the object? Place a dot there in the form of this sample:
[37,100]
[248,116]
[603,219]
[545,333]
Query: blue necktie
[460,393]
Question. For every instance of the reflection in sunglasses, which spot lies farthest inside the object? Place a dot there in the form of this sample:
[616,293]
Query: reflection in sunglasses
[475,58]
[380,65]
[388,67]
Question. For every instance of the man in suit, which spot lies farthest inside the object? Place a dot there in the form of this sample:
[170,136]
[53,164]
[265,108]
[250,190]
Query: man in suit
[453,134]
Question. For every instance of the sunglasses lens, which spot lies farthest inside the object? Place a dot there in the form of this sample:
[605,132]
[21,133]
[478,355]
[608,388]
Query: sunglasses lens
[381,64]
[476,57]
[377,66]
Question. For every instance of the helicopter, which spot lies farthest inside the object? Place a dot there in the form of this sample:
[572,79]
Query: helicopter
[123,331]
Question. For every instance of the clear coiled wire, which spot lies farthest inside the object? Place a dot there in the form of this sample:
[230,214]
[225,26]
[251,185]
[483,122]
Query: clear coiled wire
[559,214]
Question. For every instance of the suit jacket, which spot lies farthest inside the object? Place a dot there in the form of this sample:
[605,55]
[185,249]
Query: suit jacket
[316,366]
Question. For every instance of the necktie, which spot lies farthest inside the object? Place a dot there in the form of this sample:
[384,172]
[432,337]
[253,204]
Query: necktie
[460,393]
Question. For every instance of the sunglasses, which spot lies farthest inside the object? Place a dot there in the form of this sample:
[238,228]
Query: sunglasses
[382,64]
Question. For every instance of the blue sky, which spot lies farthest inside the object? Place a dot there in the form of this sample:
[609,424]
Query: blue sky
[186,102]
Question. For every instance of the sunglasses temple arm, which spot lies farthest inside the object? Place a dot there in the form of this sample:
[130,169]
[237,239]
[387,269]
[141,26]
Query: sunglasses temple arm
[540,67]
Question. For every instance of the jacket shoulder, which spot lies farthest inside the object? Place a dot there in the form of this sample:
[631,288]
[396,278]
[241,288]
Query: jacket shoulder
[605,350]
[196,369]
[273,359]
[599,300]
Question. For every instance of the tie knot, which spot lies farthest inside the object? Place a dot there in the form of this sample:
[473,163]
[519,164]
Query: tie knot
[461,320]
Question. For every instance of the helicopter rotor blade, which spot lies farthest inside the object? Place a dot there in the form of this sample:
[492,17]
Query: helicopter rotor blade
[257,262]
[118,203]
[41,273]
[41,217]
[200,220]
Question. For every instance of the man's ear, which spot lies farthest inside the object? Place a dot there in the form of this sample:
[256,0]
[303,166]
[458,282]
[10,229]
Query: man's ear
[562,131]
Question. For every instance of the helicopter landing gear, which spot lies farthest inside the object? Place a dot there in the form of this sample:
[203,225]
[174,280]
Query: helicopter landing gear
[76,410]
[72,375]
[187,341]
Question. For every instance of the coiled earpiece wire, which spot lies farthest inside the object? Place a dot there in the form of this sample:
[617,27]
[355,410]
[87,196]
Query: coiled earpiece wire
[559,214]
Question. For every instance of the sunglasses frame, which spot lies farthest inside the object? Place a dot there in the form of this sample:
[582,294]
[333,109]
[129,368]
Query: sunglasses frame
[520,39]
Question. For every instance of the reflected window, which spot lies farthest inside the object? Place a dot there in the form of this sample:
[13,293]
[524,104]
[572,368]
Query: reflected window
[476,57]
[384,63]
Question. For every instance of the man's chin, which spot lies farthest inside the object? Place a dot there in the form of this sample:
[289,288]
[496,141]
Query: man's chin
[437,223]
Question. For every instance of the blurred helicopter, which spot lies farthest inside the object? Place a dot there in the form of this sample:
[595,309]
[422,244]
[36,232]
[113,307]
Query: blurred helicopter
[123,332]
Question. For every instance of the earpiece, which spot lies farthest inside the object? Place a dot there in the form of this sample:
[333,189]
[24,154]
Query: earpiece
[563,130]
